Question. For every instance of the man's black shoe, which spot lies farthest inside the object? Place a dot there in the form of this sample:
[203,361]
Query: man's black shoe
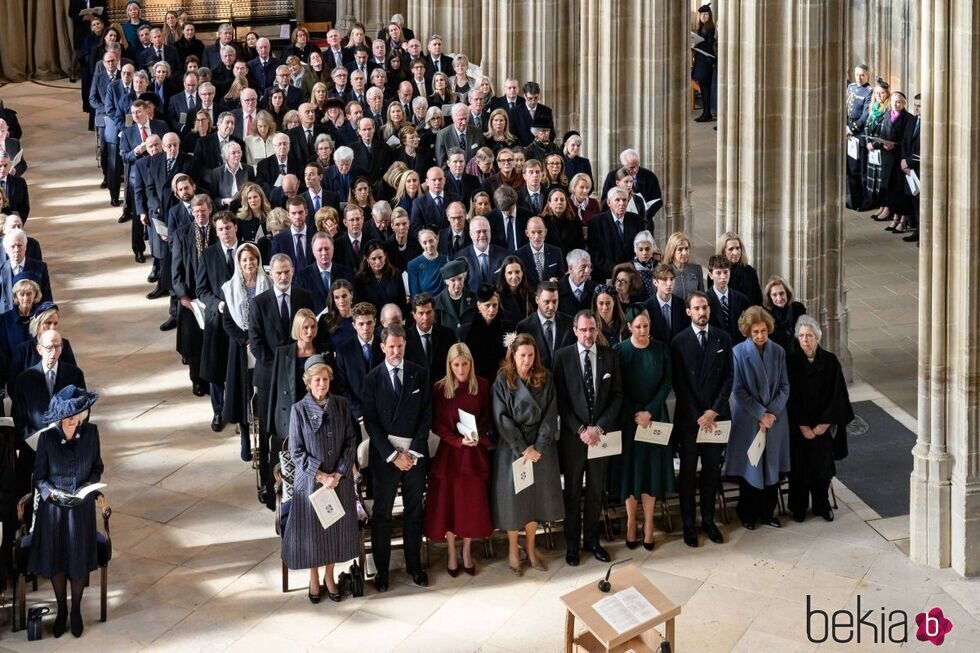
[600,553]
[381,582]
[571,557]
[711,530]
[420,578]
[691,537]
[217,424]
[911,238]
[169,325]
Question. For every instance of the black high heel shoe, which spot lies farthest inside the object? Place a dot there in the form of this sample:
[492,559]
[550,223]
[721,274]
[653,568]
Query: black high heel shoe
[333,596]
[76,623]
[314,598]
[60,623]
[649,545]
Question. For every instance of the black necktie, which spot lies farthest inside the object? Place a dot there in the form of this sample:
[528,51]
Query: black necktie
[309,138]
[284,313]
[204,234]
[427,346]
[230,260]
[457,243]
[282,168]
[702,338]
[396,382]
[462,141]
[190,102]
[549,335]
[589,382]
[511,238]
[724,310]
[534,203]
[170,165]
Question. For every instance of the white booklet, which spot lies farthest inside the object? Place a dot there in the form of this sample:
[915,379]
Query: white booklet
[874,157]
[656,433]
[610,444]
[625,609]
[467,426]
[523,475]
[198,308]
[67,499]
[718,435]
[912,180]
[852,148]
[400,443]
[757,447]
[326,504]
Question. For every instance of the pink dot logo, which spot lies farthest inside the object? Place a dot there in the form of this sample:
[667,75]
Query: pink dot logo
[933,626]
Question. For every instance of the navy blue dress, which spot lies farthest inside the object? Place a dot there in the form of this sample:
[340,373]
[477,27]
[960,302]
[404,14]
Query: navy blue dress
[64,539]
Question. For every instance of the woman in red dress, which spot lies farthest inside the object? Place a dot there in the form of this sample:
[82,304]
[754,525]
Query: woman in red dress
[457,502]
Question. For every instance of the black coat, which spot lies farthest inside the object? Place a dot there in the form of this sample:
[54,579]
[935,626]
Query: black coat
[266,331]
[299,149]
[737,302]
[605,245]
[554,264]
[441,339]
[784,334]
[702,378]
[817,395]
[18,199]
[573,406]
[567,303]
[31,397]
[426,213]
[407,415]
[386,290]
[267,171]
[679,319]
[211,275]
[563,335]
[351,370]
[207,152]
[456,319]
[310,280]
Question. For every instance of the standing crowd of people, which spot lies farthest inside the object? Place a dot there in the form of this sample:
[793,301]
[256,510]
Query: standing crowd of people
[346,272]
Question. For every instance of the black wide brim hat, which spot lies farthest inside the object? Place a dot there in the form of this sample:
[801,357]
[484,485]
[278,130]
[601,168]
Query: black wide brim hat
[70,400]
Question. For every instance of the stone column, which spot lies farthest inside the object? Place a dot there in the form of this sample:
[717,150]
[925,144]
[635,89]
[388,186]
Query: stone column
[945,483]
[535,40]
[633,91]
[458,22]
[371,13]
[780,148]
[885,35]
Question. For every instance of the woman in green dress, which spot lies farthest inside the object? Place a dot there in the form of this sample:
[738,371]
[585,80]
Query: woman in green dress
[643,470]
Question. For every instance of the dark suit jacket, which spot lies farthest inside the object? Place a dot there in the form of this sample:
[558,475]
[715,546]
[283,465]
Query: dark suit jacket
[567,303]
[263,76]
[184,260]
[441,339]
[375,163]
[462,190]
[446,240]
[458,321]
[605,245]
[212,54]
[570,389]
[327,198]
[351,370]
[216,185]
[425,213]
[207,152]
[520,124]
[554,264]
[294,97]
[563,334]
[400,258]
[445,65]
[344,251]
[309,279]
[678,319]
[333,180]
[116,102]
[148,58]
[31,397]
[36,271]
[130,138]
[177,217]
[18,198]
[266,331]
[284,242]
[702,378]
[408,414]
[737,302]
[645,183]
[217,108]
[498,229]
[209,276]
[298,147]
[267,171]
[495,258]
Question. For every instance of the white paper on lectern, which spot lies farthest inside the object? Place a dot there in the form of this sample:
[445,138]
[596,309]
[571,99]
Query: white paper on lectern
[757,447]
[717,435]
[656,433]
[625,609]
[326,504]
[523,475]
[610,444]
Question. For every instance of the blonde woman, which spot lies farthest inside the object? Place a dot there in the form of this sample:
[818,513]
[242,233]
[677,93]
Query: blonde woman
[688,276]
[259,145]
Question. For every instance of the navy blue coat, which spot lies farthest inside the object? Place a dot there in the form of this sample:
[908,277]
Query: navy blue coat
[31,396]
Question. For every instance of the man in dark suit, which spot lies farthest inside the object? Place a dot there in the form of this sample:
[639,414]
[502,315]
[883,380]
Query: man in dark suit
[179,215]
[510,101]
[18,200]
[36,385]
[532,196]
[576,288]
[303,137]
[551,330]
[316,194]
[668,315]
[460,185]
[435,60]
[725,302]
[456,236]
[154,198]
[910,164]
[508,226]
[119,98]
[370,154]
[341,175]
[247,115]
[183,104]
[207,152]
[611,235]
[542,262]
[225,182]
[206,92]
[349,245]
[532,110]
[217,266]
[293,95]
[98,101]
[148,175]
[158,51]
[484,259]
[133,146]
[459,134]
[427,343]
[17,265]
[431,209]
[296,241]
[269,326]
[645,182]
[317,279]
[589,389]
[356,357]
[226,38]
[701,357]
[270,170]
[262,69]
[398,403]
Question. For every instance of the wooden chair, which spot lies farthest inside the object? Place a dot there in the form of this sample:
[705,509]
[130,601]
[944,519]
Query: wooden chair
[22,554]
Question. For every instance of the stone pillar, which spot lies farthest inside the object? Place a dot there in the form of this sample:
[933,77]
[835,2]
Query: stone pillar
[535,40]
[458,22]
[638,96]
[371,13]
[945,483]
[885,35]
[780,148]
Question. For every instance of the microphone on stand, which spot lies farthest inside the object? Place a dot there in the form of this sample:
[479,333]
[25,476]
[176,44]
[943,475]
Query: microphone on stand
[604,585]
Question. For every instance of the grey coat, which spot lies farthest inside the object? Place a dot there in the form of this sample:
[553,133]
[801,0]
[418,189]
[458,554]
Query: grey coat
[688,279]
[761,386]
[320,438]
[523,417]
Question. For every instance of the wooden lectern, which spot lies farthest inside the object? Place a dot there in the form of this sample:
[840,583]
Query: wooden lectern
[603,638]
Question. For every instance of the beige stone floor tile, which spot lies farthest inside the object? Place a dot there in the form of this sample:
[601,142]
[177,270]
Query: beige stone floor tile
[235,555]
[299,621]
[422,641]
[173,545]
[966,592]
[894,569]
[405,603]
[757,642]
[189,588]
[775,544]
[852,561]
[363,633]
[479,619]
[152,502]
[892,528]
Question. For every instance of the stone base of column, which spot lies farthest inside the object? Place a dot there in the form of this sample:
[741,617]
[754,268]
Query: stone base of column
[965,532]
[930,508]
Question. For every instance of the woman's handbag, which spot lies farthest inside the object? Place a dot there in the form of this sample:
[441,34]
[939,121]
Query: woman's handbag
[356,579]
[34,623]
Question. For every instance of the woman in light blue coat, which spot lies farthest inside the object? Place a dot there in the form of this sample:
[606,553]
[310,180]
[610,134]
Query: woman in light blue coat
[760,390]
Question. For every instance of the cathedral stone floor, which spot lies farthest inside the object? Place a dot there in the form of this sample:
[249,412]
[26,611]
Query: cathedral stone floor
[196,563]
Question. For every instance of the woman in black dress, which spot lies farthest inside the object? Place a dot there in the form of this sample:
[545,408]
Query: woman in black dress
[64,540]
[778,300]
[378,281]
[896,130]
[486,335]
[612,322]
[515,294]
[744,277]
[705,58]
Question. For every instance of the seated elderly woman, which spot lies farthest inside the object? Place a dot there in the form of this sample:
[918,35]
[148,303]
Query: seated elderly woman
[64,539]
[16,322]
[819,412]
[647,256]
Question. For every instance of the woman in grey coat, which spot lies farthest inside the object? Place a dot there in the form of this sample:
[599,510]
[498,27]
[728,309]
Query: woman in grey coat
[526,417]
[323,446]
[687,276]
[761,390]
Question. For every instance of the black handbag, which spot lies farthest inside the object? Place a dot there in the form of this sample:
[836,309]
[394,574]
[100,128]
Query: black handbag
[34,623]
[356,580]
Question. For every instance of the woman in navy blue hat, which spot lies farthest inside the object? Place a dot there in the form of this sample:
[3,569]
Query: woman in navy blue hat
[64,540]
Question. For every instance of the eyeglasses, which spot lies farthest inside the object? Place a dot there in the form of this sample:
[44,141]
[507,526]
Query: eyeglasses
[505,160]
[51,348]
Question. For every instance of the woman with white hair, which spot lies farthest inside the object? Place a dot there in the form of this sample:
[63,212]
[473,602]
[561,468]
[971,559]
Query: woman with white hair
[819,412]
